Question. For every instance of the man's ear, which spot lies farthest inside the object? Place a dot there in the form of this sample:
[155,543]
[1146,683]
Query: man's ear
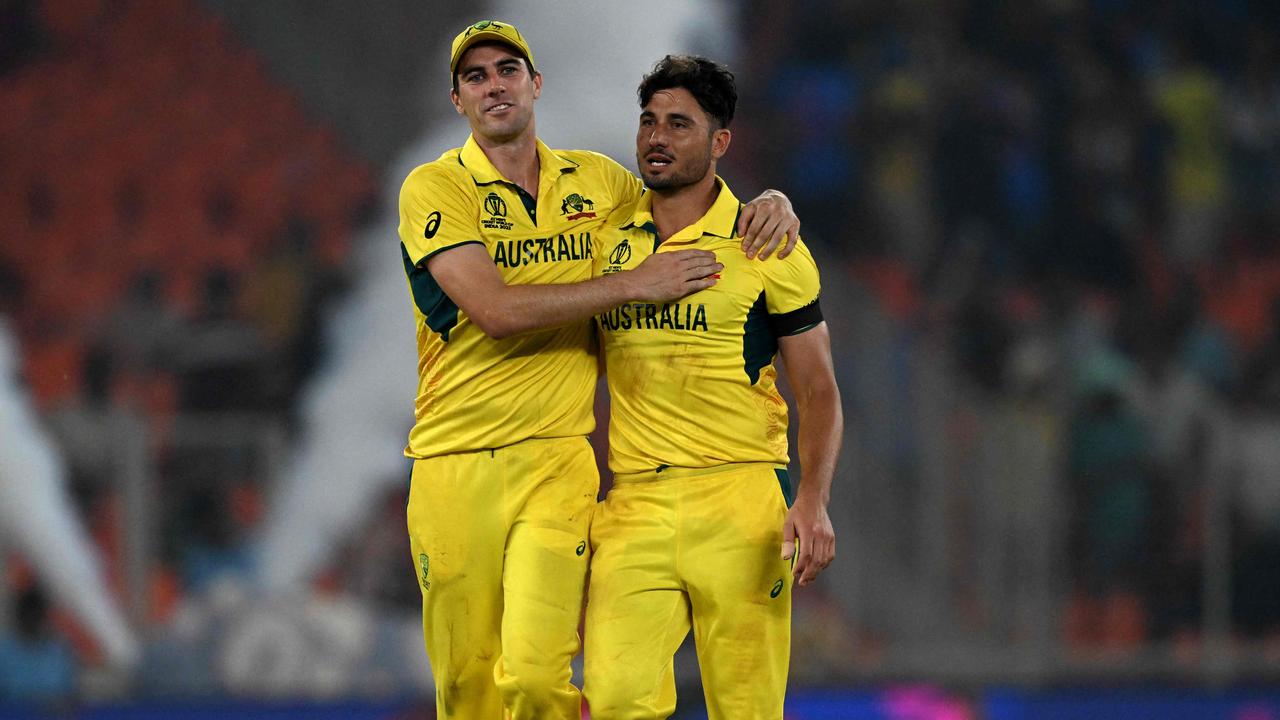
[720,142]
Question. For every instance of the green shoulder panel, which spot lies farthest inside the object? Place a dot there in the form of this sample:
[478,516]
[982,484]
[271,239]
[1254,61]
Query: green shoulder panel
[439,309]
[758,343]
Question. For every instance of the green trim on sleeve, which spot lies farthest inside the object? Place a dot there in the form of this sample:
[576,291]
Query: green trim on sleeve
[437,251]
[758,342]
[438,308]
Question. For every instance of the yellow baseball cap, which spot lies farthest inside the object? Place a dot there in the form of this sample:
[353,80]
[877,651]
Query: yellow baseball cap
[492,31]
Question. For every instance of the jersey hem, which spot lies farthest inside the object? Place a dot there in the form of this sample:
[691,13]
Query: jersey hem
[667,472]
[412,455]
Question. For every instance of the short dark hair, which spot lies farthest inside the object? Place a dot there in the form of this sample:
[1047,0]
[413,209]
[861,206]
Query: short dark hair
[710,83]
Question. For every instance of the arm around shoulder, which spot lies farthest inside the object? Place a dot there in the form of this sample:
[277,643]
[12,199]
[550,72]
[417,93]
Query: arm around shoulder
[440,235]
[468,276]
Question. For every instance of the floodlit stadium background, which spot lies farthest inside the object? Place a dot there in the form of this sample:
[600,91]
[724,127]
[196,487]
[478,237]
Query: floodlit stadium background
[1050,242]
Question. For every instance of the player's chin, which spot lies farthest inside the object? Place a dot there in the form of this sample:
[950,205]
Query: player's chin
[658,179]
[503,127]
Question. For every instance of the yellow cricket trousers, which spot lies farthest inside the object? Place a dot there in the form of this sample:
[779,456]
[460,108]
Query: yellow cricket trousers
[679,549]
[499,543]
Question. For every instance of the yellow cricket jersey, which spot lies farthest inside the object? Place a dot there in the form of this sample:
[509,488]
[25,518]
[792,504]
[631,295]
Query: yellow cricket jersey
[692,383]
[474,392]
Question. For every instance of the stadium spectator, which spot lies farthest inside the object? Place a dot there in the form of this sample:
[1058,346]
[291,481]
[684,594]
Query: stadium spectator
[37,667]
[141,333]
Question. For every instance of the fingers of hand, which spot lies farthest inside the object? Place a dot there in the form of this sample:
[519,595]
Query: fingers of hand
[701,270]
[792,235]
[744,222]
[679,259]
[788,539]
[816,553]
[773,233]
[756,235]
[689,264]
[801,566]
[817,563]
[683,255]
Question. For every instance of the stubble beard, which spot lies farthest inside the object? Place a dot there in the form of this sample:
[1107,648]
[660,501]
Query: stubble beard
[505,131]
[680,179]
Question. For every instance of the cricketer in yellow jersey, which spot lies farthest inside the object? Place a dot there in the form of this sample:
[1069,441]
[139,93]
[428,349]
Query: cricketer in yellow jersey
[696,532]
[497,243]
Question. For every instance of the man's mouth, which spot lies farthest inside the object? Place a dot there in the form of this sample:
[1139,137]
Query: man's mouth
[657,160]
[500,107]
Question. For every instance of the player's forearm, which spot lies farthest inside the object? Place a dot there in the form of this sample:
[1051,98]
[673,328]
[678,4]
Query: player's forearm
[503,310]
[517,309]
[821,434]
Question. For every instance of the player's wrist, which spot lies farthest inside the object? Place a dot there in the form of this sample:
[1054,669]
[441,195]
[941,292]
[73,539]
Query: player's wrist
[817,499]
[629,286]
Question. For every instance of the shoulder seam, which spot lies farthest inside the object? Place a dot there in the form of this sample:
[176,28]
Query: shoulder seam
[437,251]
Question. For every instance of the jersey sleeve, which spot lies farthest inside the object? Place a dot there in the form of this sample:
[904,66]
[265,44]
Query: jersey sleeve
[791,289]
[625,189]
[435,214]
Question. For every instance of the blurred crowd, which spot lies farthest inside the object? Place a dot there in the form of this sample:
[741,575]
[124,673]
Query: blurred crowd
[176,232]
[1074,209]
[1050,240]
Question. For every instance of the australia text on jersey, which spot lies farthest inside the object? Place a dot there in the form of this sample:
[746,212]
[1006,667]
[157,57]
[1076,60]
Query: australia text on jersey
[650,316]
[570,246]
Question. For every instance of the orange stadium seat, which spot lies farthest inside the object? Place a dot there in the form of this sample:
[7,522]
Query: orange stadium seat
[52,369]
[158,93]
[68,19]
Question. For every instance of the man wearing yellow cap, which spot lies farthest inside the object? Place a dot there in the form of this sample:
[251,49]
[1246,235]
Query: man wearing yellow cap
[497,243]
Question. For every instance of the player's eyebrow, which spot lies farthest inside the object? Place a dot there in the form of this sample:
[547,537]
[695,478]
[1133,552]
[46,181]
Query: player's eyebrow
[505,62]
[651,115]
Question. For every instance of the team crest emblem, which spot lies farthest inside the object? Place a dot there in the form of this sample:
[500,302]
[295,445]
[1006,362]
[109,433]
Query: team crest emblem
[581,207]
[425,563]
[485,25]
[497,209]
